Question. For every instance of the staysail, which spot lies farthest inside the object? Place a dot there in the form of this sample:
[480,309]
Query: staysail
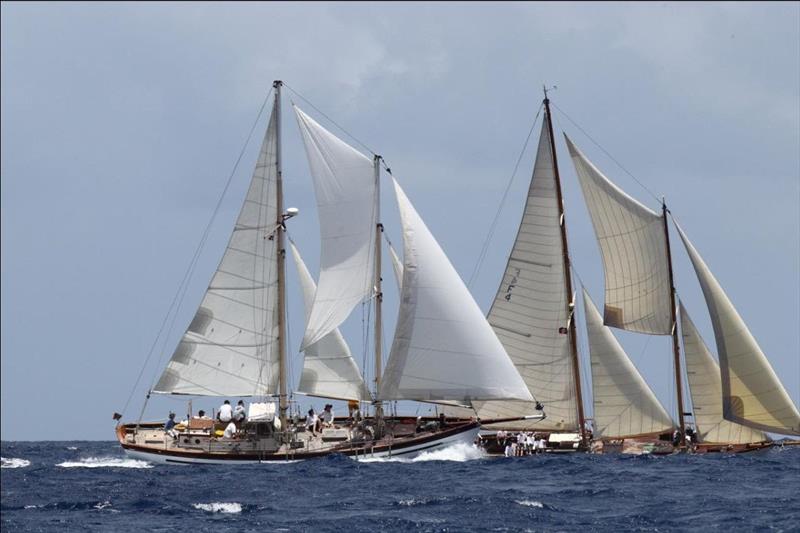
[529,313]
[634,250]
[230,347]
[443,348]
[705,386]
[624,405]
[344,185]
[328,366]
[752,394]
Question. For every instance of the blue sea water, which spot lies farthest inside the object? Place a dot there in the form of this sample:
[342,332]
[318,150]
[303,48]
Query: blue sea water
[92,486]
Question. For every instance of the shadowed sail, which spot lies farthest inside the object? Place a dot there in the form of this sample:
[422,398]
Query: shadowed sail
[230,347]
[752,394]
[328,366]
[345,189]
[624,405]
[634,250]
[443,348]
[705,386]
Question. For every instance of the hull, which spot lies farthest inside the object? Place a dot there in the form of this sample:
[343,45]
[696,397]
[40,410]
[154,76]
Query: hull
[702,449]
[162,451]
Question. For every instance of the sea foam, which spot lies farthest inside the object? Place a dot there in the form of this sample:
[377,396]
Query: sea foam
[105,462]
[459,452]
[13,462]
[219,507]
[530,503]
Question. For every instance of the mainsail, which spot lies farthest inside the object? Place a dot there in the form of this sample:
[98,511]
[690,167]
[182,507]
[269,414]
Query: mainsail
[624,405]
[634,250]
[529,313]
[752,394]
[705,386]
[328,366]
[344,184]
[443,348]
[230,347]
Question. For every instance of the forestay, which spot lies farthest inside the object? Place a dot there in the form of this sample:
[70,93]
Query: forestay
[230,348]
[705,386]
[443,348]
[752,394]
[633,245]
[328,366]
[624,405]
[345,189]
[530,313]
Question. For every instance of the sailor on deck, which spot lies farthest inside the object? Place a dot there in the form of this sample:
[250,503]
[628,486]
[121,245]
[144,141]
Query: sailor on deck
[225,412]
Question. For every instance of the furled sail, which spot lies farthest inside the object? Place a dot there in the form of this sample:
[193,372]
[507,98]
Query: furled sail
[624,405]
[230,347]
[530,310]
[705,386]
[345,188]
[328,366]
[634,250]
[752,394]
[443,348]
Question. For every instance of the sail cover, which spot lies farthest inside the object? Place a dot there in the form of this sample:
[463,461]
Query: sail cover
[634,249]
[230,347]
[705,386]
[345,188]
[752,394]
[443,348]
[624,405]
[328,367]
[530,307]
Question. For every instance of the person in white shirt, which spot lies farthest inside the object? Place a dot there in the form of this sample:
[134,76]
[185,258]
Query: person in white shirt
[230,431]
[311,421]
[327,415]
[238,413]
[225,412]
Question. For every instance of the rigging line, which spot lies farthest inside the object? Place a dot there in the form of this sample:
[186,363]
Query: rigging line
[642,185]
[193,262]
[493,225]
[306,100]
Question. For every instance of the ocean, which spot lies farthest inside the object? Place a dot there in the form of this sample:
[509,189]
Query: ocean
[93,486]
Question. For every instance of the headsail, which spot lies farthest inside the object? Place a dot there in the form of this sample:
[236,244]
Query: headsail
[624,405]
[752,394]
[443,348]
[230,347]
[634,250]
[328,366]
[705,386]
[529,311]
[344,184]
[397,267]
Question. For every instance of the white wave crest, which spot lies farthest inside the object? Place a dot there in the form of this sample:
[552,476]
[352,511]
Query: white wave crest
[31,506]
[530,503]
[102,505]
[459,452]
[219,507]
[13,462]
[105,462]
[73,448]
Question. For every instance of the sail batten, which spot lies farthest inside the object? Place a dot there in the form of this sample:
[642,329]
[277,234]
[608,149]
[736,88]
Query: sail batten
[624,405]
[443,348]
[345,189]
[634,251]
[752,394]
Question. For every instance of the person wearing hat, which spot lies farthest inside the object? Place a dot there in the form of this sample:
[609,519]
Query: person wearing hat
[327,416]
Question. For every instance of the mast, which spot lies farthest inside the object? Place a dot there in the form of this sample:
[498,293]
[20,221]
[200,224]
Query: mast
[676,347]
[573,344]
[281,258]
[378,290]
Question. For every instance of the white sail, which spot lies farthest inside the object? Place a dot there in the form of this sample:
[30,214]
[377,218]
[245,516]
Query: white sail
[443,348]
[624,405]
[705,386]
[530,307]
[752,394]
[634,250]
[328,366]
[397,267]
[230,348]
[345,188]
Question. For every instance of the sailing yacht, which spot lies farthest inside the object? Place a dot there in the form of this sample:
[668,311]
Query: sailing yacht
[533,315]
[443,350]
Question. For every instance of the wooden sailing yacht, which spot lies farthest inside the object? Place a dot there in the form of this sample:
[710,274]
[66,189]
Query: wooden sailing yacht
[235,346]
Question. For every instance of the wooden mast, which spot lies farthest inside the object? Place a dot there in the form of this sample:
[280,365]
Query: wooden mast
[676,347]
[573,344]
[378,297]
[283,400]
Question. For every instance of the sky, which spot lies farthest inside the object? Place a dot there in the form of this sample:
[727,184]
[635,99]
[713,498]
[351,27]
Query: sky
[121,123]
